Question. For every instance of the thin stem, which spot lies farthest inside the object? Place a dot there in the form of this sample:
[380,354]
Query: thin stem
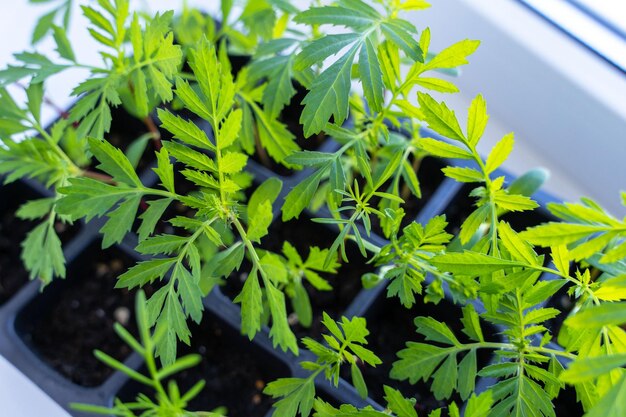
[154,131]
[98,176]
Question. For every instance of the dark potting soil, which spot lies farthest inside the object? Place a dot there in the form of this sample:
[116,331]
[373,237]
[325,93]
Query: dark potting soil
[303,233]
[235,371]
[73,317]
[13,231]
[391,326]
[430,177]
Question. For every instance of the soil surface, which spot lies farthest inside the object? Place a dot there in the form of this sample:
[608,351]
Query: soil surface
[391,326]
[74,317]
[13,231]
[235,371]
[303,233]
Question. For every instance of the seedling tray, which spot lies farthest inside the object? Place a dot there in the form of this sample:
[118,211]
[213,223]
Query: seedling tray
[49,335]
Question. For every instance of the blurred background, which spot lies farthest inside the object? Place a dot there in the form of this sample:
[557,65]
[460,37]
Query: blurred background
[552,71]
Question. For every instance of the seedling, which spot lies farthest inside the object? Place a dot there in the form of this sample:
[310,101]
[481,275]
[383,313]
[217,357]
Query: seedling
[217,89]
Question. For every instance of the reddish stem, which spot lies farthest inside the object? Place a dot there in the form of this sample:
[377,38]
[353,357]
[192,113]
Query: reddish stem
[154,131]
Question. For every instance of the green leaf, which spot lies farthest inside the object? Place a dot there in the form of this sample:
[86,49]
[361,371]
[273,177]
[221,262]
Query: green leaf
[329,95]
[251,300]
[260,222]
[144,272]
[184,130]
[34,92]
[467,374]
[300,196]
[310,158]
[554,234]
[151,216]
[403,39]
[165,170]
[472,263]
[435,331]
[612,404]
[440,118]
[471,323]
[463,174]
[298,395]
[34,209]
[396,402]
[436,84]
[371,75]
[319,49]
[519,249]
[274,136]
[605,314]
[189,290]
[233,162]
[454,55]
[585,369]
[514,202]
[63,44]
[42,253]
[479,406]
[114,162]
[499,153]
[336,16]
[357,380]
[280,331]
[473,222]
[120,222]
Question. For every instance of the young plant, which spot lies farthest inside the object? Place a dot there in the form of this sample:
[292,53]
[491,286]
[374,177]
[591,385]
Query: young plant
[168,402]
[139,82]
[345,344]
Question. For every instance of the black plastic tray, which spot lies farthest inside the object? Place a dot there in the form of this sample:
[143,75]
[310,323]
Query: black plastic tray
[22,306]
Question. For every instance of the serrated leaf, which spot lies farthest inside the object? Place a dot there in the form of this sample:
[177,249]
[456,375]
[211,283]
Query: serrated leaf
[605,314]
[151,216]
[64,48]
[371,75]
[519,249]
[554,234]
[298,396]
[499,153]
[443,149]
[472,263]
[42,253]
[184,130]
[401,406]
[473,222]
[440,118]
[585,369]
[114,162]
[144,272]
[120,222]
[467,374]
[251,300]
[463,174]
[300,196]
[454,55]
[329,95]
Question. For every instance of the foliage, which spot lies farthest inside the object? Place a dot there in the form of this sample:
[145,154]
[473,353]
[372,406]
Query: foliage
[168,402]
[344,345]
[221,92]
